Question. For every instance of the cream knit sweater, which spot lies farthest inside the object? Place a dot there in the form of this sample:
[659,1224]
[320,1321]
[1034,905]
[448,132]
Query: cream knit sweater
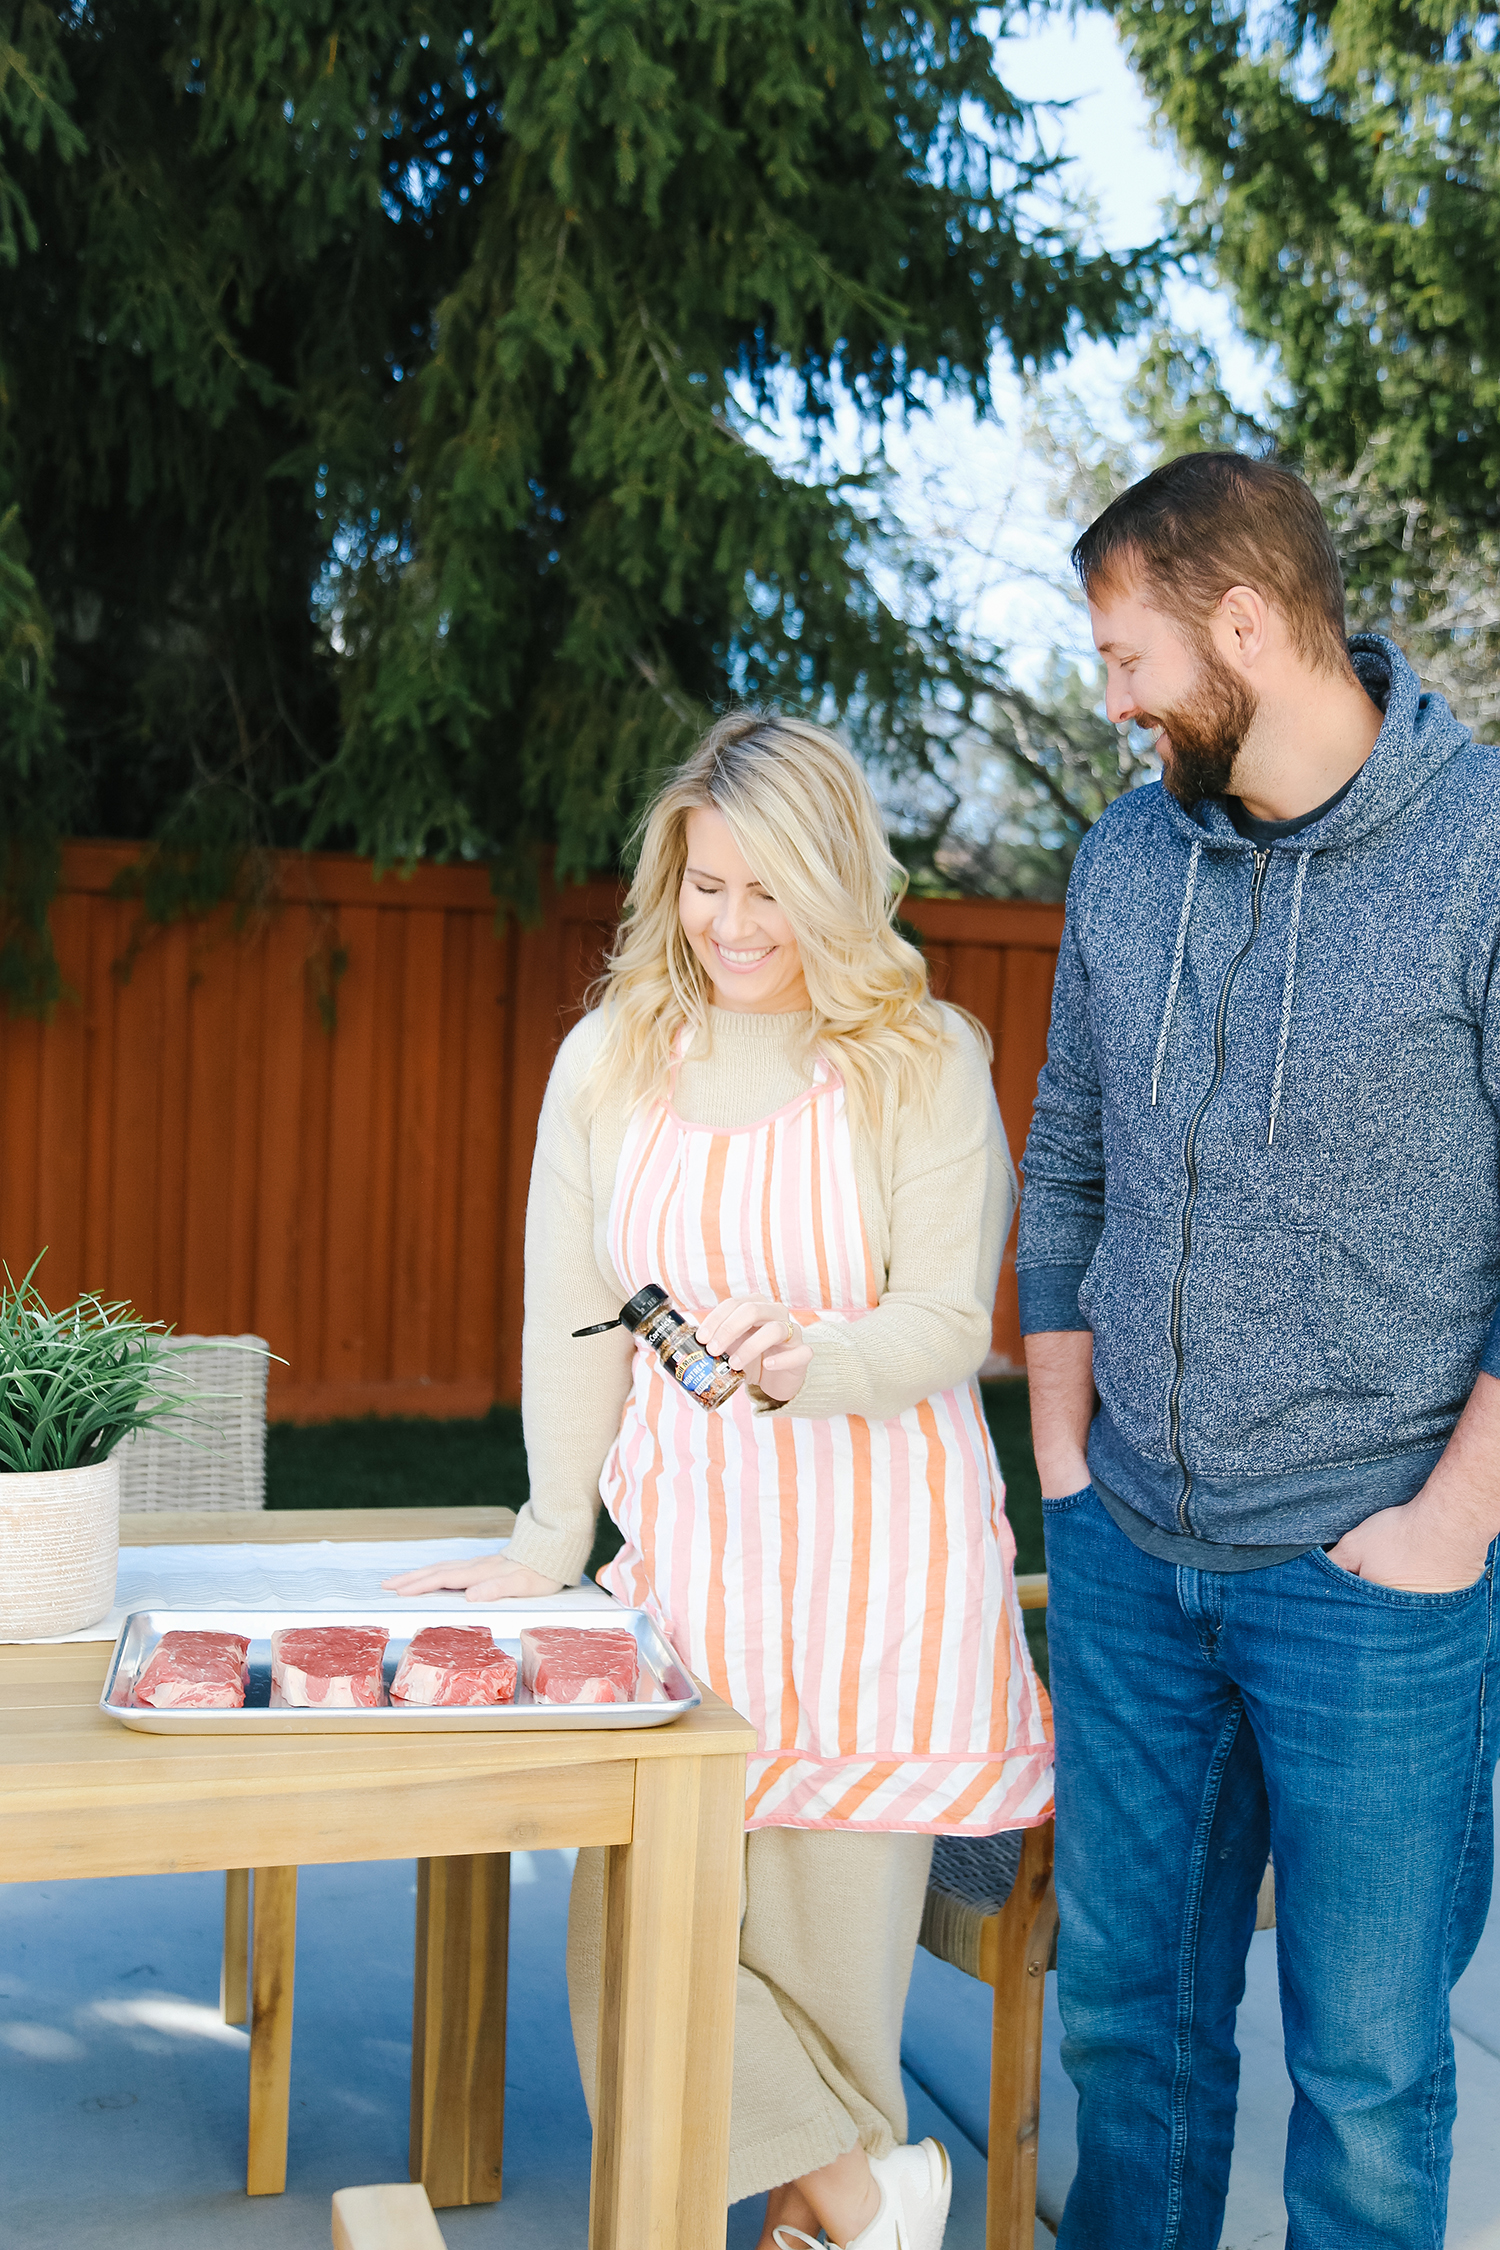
[935,1194]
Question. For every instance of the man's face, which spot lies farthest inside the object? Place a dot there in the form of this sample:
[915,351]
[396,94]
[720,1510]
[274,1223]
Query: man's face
[1176,686]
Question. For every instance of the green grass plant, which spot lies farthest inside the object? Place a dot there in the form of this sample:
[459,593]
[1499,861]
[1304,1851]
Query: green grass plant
[73,1383]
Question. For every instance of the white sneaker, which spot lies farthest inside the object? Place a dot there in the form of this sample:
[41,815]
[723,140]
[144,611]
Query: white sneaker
[916,2183]
[916,2187]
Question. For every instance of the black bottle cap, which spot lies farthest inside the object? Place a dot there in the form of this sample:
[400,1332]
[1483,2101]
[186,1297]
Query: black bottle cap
[640,1308]
[642,1305]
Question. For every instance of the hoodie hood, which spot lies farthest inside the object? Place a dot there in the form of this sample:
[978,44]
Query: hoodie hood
[1418,736]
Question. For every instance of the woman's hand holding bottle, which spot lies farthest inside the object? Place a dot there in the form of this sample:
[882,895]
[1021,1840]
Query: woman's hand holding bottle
[760,1337]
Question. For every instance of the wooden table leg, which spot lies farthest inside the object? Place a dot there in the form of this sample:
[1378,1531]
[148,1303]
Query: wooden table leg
[703,2200]
[234,1979]
[458,2027]
[272,1974]
[1017,1968]
[666,2011]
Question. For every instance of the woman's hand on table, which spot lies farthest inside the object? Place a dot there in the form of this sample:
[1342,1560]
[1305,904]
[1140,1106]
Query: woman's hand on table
[762,1339]
[479,1578]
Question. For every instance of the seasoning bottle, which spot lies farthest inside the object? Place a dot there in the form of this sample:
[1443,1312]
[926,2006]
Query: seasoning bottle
[653,1317]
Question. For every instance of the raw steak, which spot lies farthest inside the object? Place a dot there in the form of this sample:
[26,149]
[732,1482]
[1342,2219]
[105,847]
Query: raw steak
[337,1664]
[569,1664]
[454,1664]
[196,1672]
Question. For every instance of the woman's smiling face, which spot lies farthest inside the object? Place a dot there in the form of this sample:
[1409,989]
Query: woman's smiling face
[734,926]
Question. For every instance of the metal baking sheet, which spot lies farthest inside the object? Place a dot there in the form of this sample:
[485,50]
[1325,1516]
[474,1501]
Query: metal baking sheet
[671,1690]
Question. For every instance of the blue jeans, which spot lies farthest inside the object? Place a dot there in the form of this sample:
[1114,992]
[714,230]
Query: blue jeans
[1203,1719]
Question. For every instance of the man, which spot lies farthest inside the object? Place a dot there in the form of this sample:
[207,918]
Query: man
[1260,1265]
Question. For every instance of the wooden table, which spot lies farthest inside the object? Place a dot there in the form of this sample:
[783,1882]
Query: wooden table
[81,1795]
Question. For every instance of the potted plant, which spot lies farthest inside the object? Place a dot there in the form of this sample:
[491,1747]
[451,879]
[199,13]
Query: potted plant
[72,1384]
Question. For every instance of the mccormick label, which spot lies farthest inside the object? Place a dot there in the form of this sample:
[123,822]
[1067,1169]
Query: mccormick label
[707,1381]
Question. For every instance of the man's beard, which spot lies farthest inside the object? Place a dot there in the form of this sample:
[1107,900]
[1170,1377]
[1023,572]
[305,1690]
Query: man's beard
[1205,734]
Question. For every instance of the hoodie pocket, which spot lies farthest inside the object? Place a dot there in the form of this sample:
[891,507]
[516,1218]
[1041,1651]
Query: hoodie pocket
[1255,1344]
[1252,1330]
[1126,1298]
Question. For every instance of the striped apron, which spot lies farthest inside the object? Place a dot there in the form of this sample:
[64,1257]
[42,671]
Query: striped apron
[847,1585]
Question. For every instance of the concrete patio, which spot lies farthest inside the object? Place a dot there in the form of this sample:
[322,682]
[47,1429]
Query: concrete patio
[123,2095]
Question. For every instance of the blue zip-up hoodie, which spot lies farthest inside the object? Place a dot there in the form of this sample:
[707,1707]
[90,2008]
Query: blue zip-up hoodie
[1264,1163]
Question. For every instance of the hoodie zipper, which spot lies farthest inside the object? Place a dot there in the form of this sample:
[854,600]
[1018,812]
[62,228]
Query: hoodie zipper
[1190,1165]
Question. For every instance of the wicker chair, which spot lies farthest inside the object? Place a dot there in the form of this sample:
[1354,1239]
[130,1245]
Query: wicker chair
[992,1912]
[213,1453]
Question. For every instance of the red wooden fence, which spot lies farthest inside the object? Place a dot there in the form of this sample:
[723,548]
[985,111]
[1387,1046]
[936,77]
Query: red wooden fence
[191,1136]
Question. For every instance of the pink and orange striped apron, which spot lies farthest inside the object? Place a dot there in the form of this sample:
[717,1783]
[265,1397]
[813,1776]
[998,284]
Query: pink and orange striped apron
[846,1584]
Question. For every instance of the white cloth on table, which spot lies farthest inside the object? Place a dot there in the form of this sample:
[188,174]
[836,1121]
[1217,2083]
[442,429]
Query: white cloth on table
[315,1574]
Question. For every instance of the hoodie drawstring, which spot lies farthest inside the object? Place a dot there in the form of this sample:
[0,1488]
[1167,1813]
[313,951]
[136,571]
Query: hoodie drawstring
[1287,989]
[1176,979]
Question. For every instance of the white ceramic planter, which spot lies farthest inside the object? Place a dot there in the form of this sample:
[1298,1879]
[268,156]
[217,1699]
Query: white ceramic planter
[59,1550]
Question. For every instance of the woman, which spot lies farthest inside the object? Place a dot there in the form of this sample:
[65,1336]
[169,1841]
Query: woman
[766,1113]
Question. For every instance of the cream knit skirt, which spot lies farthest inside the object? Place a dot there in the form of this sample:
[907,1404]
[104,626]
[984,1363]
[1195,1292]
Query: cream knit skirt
[828,1934]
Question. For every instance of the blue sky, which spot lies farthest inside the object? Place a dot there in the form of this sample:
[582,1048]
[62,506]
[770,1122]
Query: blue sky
[971,491]
[974,491]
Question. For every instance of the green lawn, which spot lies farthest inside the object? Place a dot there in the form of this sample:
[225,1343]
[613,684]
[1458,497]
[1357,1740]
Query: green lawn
[417,1464]
[391,1464]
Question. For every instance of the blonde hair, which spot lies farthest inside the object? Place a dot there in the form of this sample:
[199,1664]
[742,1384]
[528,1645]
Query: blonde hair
[805,818]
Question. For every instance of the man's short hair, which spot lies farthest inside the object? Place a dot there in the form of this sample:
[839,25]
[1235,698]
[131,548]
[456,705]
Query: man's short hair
[1208,521]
